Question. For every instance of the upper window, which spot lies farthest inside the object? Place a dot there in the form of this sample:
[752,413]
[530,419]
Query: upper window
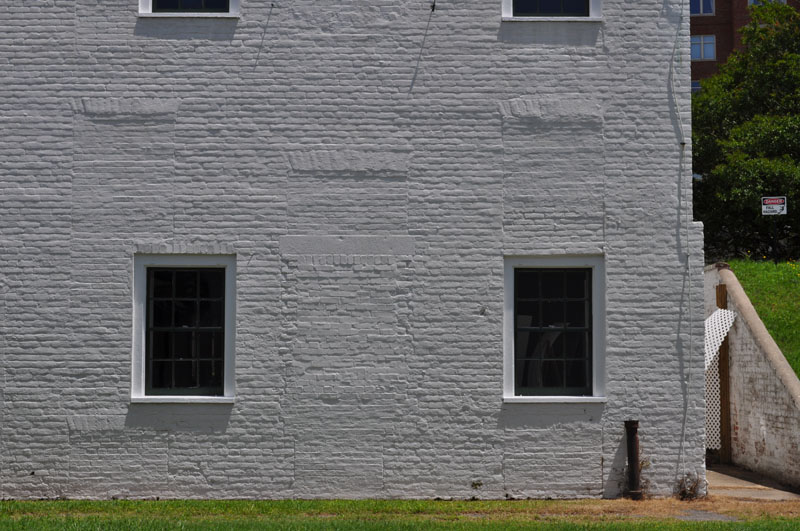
[183,326]
[554,328]
[704,47]
[544,9]
[189,8]
[701,7]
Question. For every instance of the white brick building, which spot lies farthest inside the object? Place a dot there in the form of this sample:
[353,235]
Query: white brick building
[346,249]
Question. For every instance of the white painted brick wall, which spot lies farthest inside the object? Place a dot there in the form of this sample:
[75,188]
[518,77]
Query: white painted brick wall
[374,370]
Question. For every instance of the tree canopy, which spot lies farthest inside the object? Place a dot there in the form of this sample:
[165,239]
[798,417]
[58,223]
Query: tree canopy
[746,140]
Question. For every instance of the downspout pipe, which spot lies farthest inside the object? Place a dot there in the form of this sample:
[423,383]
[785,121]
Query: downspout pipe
[634,471]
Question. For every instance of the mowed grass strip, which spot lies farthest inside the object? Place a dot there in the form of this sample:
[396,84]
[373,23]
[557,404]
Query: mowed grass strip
[396,514]
[774,291]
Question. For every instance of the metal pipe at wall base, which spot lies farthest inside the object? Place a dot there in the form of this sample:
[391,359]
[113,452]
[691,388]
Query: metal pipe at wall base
[634,471]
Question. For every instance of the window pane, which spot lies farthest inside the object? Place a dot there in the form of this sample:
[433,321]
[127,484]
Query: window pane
[209,344]
[527,284]
[212,284]
[577,284]
[217,5]
[553,314]
[528,314]
[576,314]
[526,8]
[210,313]
[184,374]
[165,5]
[576,374]
[552,374]
[553,285]
[709,48]
[182,342]
[186,284]
[696,49]
[161,345]
[162,374]
[162,284]
[210,373]
[576,8]
[162,313]
[185,313]
[575,345]
[549,7]
[528,373]
[192,4]
[694,7]
[708,6]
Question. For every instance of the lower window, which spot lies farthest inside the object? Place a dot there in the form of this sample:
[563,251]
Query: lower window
[554,327]
[183,326]
[551,8]
[207,6]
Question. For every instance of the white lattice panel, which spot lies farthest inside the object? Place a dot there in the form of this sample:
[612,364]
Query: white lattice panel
[717,327]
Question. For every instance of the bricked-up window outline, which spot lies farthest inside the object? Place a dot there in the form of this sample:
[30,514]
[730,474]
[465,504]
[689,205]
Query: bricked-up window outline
[189,8]
[701,7]
[554,329]
[183,328]
[551,10]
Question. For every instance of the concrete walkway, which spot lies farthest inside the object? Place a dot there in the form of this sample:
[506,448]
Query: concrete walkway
[724,480]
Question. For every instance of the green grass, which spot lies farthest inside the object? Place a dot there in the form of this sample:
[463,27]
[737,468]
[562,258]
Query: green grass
[382,514]
[774,291]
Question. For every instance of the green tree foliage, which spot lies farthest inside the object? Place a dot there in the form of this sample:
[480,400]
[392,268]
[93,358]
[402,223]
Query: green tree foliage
[746,137]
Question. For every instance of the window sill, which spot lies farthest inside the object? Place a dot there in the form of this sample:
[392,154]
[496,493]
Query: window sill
[555,399]
[182,400]
[188,15]
[552,19]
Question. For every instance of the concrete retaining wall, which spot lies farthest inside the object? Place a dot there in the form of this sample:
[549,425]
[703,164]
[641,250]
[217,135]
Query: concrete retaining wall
[765,391]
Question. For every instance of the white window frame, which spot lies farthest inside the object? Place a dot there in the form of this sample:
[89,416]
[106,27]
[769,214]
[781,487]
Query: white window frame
[597,265]
[701,14]
[702,47]
[595,14]
[146,10]
[140,264]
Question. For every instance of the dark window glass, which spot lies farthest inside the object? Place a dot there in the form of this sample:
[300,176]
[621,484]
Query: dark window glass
[203,6]
[184,353]
[552,331]
[551,8]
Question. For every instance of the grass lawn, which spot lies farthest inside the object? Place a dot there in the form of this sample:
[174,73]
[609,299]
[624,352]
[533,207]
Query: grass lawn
[775,294]
[406,515]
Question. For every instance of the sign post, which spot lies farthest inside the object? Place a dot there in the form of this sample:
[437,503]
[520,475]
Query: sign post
[774,206]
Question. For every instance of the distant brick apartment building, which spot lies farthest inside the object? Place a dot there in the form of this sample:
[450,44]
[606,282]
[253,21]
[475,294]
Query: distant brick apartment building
[715,26]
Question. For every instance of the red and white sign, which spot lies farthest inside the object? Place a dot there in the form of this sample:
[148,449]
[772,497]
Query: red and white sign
[773,206]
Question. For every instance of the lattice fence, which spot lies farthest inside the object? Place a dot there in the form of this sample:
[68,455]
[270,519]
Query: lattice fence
[717,327]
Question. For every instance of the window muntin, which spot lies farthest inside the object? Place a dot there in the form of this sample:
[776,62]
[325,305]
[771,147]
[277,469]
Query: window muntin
[704,47]
[207,6]
[553,331]
[185,331]
[701,7]
[551,8]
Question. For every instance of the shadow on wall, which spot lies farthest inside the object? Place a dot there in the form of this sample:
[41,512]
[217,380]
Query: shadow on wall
[554,33]
[213,29]
[614,482]
[196,418]
[516,416]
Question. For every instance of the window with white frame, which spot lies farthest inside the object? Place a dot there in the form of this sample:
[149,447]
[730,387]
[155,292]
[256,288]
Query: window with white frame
[704,47]
[761,2]
[554,329]
[184,327]
[189,8]
[701,7]
[551,9]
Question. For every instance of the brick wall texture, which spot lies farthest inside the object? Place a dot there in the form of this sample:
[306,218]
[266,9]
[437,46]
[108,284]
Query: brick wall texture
[370,163]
